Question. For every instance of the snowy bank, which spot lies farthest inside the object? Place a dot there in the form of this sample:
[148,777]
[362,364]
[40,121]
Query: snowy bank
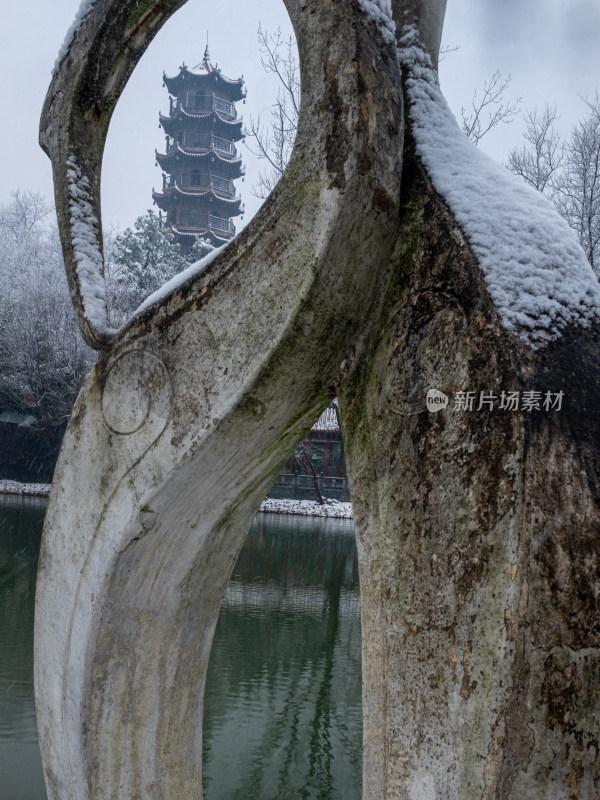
[30,489]
[307,508]
[178,280]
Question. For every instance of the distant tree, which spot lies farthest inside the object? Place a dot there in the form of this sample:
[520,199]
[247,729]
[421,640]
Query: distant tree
[566,171]
[140,260]
[43,359]
[198,250]
[24,214]
[538,160]
[273,140]
[577,193]
[307,455]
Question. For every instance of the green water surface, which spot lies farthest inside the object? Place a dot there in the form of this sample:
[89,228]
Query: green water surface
[282,717]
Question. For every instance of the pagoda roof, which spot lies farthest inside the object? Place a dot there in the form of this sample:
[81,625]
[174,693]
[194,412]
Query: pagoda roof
[169,123]
[328,421]
[205,75]
[231,206]
[178,154]
[210,234]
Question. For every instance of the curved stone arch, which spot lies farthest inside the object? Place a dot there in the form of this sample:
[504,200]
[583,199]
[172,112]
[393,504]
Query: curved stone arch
[477,543]
[124,623]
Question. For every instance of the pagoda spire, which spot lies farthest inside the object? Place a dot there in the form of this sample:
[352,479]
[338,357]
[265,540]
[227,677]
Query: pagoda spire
[206,59]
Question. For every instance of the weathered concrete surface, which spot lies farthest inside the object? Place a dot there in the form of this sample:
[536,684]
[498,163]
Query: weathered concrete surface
[477,539]
[181,428]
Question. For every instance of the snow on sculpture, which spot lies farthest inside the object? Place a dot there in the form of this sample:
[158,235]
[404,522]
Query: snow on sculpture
[381,12]
[85,235]
[378,281]
[84,9]
[535,268]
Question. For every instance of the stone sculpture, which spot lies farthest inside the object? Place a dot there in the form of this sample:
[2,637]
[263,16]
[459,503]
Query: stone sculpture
[378,270]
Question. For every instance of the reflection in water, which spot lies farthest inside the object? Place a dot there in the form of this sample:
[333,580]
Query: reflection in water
[21,775]
[282,714]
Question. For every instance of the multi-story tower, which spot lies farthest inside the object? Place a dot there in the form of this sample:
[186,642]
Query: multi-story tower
[201,160]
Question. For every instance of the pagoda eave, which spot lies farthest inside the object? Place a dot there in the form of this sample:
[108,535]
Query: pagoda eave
[173,196]
[163,201]
[172,125]
[180,157]
[180,112]
[204,233]
[206,80]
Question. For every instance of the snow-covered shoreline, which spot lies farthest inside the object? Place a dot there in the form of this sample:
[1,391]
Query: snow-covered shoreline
[27,489]
[305,508]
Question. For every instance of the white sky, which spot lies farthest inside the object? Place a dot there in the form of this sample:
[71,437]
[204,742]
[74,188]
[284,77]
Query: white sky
[550,47]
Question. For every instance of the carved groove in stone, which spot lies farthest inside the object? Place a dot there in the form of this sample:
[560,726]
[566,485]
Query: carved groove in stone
[137,394]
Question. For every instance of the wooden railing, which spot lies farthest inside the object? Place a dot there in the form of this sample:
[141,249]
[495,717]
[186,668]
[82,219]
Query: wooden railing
[196,102]
[203,141]
[200,181]
[204,221]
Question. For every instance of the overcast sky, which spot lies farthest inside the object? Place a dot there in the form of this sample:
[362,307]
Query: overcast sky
[551,48]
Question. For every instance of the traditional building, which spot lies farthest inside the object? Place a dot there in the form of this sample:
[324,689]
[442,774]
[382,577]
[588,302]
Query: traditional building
[319,460]
[201,161]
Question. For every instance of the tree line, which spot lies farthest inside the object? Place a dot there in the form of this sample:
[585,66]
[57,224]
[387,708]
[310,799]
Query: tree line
[566,169]
[43,359]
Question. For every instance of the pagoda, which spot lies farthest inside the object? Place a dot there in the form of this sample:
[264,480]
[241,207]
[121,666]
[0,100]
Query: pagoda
[201,161]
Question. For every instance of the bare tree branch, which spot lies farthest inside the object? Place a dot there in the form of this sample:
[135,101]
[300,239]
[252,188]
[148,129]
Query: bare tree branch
[538,160]
[490,109]
[446,49]
[568,172]
[273,140]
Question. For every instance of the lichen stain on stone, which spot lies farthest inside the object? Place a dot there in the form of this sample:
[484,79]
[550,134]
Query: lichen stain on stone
[369,108]
[381,200]
[338,139]
[575,775]
[451,658]
[569,565]
[560,690]
[468,684]
[510,623]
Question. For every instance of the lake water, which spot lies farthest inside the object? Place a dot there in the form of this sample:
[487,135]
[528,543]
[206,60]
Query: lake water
[282,715]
